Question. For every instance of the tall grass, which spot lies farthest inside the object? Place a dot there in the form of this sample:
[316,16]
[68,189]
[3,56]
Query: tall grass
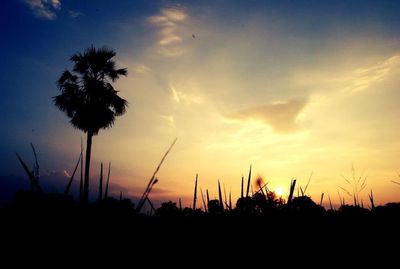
[34,181]
[195,193]
[248,183]
[241,189]
[204,202]
[371,199]
[153,178]
[66,191]
[291,190]
[330,202]
[357,185]
[322,199]
[108,181]
[221,203]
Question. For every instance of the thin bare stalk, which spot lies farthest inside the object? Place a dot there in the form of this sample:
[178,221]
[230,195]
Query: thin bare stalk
[195,193]
[308,182]
[292,186]
[204,201]
[108,181]
[371,199]
[241,190]
[248,183]
[72,177]
[220,196]
[32,178]
[145,193]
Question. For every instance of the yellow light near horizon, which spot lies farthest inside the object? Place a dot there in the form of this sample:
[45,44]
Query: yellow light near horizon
[279,191]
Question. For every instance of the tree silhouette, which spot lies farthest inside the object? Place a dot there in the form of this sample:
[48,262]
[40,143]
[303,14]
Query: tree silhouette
[88,97]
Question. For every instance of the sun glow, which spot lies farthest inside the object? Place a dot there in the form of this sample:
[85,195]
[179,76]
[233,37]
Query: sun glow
[279,191]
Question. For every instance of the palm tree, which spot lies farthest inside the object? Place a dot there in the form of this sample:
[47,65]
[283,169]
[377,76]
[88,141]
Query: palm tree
[88,97]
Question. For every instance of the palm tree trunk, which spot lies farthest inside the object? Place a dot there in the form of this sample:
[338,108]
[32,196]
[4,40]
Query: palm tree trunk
[81,179]
[87,168]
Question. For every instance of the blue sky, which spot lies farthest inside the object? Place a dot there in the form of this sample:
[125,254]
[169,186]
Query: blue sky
[258,83]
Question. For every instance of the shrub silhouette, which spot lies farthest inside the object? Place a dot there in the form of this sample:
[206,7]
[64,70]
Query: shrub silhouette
[306,206]
[168,209]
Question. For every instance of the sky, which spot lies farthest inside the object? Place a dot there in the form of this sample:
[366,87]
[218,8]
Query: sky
[292,88]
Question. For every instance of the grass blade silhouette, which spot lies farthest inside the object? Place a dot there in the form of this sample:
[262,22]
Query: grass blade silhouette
[322,199]
[142,199]
[195,193]
[330,203]
[204,201]
[32,178]
[230,200]
[308,182]
[241,190]
[221,203]
[226,200]
[248,183]
[36,170]
[151,204]
[291,191]
[108,180]
[66,191]
[371,199]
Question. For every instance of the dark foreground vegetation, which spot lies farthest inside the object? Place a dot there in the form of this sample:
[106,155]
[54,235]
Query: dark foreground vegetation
[259,212]
[260,222]
[256,216]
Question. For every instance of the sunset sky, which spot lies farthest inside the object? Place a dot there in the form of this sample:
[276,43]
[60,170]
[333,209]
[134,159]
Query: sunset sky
[291,87]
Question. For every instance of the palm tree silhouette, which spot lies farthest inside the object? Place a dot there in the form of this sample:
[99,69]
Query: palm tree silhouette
[89,99]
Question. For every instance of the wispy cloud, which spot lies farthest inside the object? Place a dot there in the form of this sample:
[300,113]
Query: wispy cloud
[342,79]
[281,116]
[169,42]
[169,119]
[74,14]
[45,9]
[364,77]
[184,98]
[141,69]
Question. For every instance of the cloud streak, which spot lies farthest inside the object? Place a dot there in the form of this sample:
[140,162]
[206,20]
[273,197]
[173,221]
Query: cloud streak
[168,21]
[184,98]
[44,9]
[364,77]
[75,14]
